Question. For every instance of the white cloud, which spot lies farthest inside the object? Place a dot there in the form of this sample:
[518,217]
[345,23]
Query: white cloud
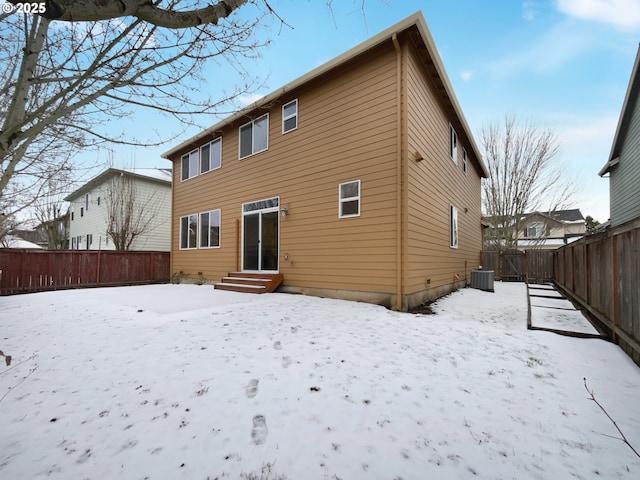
[553,50]
[529,10]
[621,14]
[467,75]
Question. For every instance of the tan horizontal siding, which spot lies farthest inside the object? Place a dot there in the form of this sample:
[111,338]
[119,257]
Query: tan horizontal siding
[346,131]
[434,184]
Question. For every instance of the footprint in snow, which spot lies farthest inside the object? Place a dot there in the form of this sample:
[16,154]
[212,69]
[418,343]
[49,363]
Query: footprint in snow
[286,361]
[84,458]
[277,345]
[259,431]
[252,388]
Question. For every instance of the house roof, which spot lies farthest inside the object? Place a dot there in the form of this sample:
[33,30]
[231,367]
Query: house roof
[159,175]
[415,21]
[565,216]
[624,121]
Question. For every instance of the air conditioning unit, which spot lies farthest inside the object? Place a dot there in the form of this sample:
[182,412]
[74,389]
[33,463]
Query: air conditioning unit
[482,280]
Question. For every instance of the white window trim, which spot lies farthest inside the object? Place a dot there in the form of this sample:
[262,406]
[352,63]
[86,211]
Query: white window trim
[453,220]
[252,122]
[188,154]
[290,116]
[453,144]
[464,161]
[215,140]
[219,228]
[197,232]
[349,199]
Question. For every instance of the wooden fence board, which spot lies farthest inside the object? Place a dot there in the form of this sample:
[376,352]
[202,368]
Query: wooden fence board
[24,271]
[602,272]
[536,266]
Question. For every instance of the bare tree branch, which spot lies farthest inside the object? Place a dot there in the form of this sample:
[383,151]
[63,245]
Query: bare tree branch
[524,177]
[130,213]
[62,81]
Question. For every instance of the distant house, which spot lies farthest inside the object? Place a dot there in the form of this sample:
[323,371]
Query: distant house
[623,165]
[120,201]
[358,180]
[539,230]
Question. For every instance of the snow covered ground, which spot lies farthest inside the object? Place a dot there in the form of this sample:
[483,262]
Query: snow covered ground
[184,382]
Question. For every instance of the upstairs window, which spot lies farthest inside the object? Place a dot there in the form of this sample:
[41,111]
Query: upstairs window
[453,226]
[464,161]
[211,155]
[189,165]
[453,144]
[290,116]
[254,136]
[349,199]
[535,230]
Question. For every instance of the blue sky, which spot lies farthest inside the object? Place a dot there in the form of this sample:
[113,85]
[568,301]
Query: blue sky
[563,64]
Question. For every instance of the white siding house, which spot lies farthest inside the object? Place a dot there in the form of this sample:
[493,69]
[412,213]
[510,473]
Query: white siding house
[89,207]
[623,165]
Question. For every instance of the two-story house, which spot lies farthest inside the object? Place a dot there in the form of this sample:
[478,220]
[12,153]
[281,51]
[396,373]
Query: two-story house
[121,203]
[534,230]
[358,180]
[623,165]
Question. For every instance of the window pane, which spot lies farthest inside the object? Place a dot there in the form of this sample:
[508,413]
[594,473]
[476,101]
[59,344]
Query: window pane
[246,142]
[260,134]
[204,229]
[290,109]
[453,232]
[351,207]
[214,228]
[204,159]
[216,154]
[290,123]
[193,164]
[185,167]
[184,232]
[193,230]
[349,190]
[261,204]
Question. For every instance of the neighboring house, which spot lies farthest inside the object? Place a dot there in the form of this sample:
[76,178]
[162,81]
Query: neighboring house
[138,196]
[538,230]
[623,165]
[55,233]
[358,180]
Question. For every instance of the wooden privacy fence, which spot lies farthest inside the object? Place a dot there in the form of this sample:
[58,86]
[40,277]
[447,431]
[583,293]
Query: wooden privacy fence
[532,266]
[602,273]
[23,271]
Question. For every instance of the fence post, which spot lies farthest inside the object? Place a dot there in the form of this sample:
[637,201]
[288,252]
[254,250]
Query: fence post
[587,271]
[98,269]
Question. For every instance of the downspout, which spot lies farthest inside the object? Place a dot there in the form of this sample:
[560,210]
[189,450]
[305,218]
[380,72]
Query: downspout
[172,221]
[399,172]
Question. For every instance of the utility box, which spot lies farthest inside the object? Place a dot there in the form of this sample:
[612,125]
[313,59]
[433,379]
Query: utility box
[482,280]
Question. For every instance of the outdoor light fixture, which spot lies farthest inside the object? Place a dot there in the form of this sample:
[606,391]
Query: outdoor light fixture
[284,211]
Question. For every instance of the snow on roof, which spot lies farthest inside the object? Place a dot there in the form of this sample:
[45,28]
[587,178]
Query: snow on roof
[11,241]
